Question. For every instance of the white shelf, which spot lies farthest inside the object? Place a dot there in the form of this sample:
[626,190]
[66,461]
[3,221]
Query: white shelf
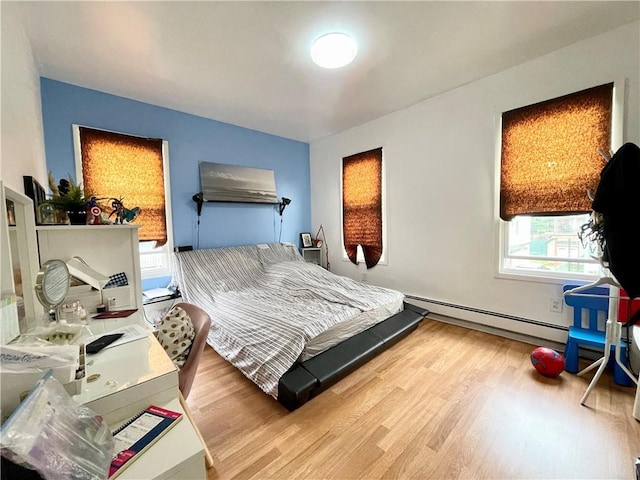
[108,249]
[84,227]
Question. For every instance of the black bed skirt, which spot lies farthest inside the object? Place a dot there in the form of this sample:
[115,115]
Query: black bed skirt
[307,379]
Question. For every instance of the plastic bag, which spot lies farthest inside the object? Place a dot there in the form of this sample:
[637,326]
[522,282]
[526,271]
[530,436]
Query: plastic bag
[55,334]
[28,359]
[52,434]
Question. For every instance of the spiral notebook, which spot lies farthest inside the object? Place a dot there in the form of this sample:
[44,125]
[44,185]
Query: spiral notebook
[133,438]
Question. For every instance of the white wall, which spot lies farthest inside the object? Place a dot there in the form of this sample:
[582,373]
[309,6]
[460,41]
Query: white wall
[22,138]
[440,176]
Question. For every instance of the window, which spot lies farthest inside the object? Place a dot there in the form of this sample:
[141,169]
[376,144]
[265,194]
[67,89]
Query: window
[549,246]
[362,207]
[134,170]
[551,156]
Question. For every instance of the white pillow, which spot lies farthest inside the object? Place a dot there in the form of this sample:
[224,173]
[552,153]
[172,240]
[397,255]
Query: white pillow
[176,334]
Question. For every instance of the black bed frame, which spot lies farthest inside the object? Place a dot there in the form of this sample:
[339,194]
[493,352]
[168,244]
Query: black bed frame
[307,379]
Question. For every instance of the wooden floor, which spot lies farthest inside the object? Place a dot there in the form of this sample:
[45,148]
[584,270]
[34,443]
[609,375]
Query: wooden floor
[446,402]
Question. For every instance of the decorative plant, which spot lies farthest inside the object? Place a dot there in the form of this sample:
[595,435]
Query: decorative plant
[68,196]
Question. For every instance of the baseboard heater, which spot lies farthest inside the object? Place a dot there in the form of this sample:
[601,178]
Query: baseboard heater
[488,312]
[586,352]
[307,379]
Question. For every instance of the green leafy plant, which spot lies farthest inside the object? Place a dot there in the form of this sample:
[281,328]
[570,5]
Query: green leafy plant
[68,195]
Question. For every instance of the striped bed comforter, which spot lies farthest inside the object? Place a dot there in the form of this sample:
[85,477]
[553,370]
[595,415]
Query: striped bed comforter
[266,302]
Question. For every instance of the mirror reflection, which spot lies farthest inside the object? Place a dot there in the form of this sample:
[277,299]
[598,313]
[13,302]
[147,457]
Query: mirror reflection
[52,283]
[15,260]
[19,251]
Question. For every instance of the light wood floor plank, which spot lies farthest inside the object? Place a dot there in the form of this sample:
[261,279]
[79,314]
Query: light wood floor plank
[444,403]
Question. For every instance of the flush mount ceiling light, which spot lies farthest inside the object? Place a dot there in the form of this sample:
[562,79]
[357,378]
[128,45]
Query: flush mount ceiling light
[334,50]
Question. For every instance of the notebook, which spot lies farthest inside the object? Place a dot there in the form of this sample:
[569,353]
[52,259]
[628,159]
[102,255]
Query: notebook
[136,436]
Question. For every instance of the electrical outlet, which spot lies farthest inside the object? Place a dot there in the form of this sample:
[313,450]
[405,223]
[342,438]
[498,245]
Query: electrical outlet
[111,303]
[363,277]
[555,305]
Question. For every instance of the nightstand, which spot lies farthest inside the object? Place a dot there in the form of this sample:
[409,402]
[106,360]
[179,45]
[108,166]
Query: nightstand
[312,255]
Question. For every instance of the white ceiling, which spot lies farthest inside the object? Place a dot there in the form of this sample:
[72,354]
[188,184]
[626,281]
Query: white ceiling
[248,64]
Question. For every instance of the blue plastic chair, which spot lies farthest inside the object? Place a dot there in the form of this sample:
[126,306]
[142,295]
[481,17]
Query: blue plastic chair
[589,334]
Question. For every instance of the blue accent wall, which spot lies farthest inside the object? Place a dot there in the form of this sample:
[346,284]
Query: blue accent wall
[192,140]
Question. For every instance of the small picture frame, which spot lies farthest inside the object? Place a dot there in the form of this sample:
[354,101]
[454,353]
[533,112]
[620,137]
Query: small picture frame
[305,240]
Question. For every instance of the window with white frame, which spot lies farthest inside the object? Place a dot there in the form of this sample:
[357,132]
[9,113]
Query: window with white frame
[551,157]
[133,170]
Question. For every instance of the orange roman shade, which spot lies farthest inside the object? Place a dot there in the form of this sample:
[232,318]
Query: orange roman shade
[362,205]
[129,168]
[550,153]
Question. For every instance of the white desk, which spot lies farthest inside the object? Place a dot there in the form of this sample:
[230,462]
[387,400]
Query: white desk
[12,385]
[130,377]
[109,324]
[133,376]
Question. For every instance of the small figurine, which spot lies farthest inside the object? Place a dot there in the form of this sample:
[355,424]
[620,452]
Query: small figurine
[94,212]
[123,215]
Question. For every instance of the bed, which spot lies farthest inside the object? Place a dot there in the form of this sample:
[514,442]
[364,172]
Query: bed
[278,318]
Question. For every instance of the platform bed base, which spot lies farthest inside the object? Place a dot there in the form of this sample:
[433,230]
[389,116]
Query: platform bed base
[307,379]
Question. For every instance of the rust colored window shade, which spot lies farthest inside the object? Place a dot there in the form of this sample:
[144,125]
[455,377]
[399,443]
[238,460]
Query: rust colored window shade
[362,205]
[550,153]
[127,168]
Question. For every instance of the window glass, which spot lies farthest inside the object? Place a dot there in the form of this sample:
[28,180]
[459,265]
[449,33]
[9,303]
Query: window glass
[549,246]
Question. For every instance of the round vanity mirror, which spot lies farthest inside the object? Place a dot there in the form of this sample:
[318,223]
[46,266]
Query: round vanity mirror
[52,283]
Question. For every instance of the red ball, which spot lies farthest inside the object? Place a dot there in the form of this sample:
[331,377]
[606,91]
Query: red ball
[547,361]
